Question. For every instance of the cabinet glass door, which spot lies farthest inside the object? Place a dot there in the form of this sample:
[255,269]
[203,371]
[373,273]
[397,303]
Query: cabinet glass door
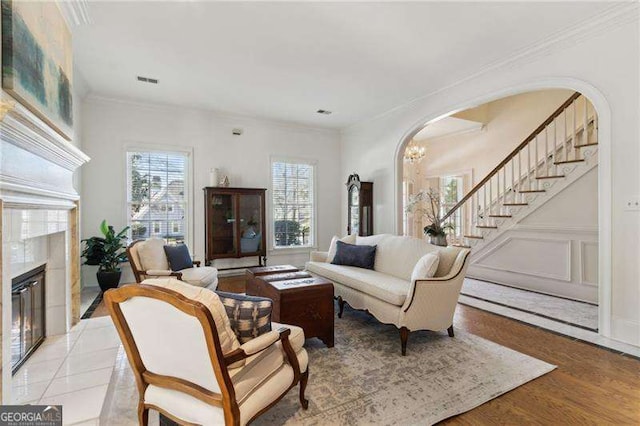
[223,224]
[250,216]
[354,210]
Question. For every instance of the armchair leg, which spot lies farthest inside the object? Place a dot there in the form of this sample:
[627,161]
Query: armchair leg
[404,336]
[304,378]
[340,306]
[450,331]
[143,415]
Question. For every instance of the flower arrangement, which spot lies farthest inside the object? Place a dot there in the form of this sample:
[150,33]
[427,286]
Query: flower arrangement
[428,203]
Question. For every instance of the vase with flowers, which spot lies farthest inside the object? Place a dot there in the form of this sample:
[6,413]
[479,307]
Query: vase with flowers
[428,204]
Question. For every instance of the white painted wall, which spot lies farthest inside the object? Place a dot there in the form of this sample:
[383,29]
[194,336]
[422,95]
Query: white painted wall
[109,125]
[583,61]
[554,249]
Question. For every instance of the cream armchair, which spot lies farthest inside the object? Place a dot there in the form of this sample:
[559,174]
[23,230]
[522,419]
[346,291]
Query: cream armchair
[188,364]
[148,260]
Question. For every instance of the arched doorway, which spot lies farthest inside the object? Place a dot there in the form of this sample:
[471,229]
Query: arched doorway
[600,110]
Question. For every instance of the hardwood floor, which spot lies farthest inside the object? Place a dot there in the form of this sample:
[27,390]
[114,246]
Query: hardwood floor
[590,386]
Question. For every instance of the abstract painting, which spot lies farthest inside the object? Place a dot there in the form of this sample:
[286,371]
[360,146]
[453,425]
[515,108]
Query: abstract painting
[37,62]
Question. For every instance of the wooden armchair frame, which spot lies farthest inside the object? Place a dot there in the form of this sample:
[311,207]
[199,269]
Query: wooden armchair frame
[226,399]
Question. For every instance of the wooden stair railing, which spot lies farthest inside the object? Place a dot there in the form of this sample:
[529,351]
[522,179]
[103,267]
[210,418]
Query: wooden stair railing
[557,141]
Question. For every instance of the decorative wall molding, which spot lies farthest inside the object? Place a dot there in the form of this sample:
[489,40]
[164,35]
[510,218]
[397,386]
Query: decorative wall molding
[582,262]
[22,128]
[566,277]
[555,229]
[43,195]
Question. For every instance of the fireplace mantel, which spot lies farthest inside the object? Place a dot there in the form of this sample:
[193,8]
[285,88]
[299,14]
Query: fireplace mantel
[36,163]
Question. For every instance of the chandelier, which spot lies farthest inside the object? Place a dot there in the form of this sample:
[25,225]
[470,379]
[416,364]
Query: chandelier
[414,153]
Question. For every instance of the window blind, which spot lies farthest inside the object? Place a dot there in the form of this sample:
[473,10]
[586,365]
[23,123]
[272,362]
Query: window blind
[157,195]
[293,203]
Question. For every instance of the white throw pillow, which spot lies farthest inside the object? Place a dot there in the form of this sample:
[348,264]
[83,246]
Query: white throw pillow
[152,255]
[426,267]
[333,247]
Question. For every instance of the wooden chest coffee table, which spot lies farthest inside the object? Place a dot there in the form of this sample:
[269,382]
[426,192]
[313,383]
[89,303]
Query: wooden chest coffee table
[298,299]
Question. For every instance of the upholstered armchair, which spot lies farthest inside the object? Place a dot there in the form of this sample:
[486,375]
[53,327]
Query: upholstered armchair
[148,260]
[188,363]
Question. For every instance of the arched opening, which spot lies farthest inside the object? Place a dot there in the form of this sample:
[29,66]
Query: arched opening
[439,154]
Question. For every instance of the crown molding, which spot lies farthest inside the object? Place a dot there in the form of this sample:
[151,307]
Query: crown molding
[75,12]
[610,18]
[22,128]
[230,117]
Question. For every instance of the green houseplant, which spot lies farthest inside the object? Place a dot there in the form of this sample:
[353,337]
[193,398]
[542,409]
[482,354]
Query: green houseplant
[107,252]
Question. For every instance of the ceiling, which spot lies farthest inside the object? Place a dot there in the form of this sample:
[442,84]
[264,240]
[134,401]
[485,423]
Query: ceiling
[447,126]
[283,61]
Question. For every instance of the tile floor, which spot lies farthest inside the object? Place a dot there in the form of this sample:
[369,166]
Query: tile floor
[73,370]
[87,296]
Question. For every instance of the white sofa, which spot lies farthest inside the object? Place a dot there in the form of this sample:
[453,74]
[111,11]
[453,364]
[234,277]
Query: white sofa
[388,292]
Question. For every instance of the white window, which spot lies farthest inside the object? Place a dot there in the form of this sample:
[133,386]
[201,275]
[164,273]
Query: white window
[293,203]
[157,194]
[451,191]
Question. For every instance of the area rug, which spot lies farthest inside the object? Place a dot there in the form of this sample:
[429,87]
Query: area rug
[573,312]
[364,379]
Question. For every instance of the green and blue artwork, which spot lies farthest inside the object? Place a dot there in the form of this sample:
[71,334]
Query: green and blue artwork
[37,61]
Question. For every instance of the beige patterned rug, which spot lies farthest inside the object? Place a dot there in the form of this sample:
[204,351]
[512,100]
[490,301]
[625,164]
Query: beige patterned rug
[364,379]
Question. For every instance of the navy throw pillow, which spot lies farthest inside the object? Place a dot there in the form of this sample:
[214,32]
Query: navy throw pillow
[353,255]
[178,257]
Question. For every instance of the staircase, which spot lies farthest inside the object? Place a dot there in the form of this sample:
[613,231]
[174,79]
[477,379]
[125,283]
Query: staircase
[558,152]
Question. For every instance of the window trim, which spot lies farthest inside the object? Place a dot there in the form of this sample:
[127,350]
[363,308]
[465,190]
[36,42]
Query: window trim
[271,248]
[187,151]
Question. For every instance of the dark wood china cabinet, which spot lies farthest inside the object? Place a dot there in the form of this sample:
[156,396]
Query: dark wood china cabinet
[235,223]
[359,206]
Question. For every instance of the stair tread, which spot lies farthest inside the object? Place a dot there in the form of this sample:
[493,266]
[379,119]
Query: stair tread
[500,215]
[550,177]
[586,144]
[515,204]
[487,226]
[475,237]
[580,160]
[527,191]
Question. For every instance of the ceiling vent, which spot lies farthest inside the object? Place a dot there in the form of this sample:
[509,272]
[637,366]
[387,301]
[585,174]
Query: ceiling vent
[323,112]
[148,80]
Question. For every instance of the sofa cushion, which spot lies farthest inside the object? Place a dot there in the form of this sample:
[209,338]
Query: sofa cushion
[448,256]
[426,267]
[398,255]
[384,287]
[354,255]
[151,255]
[349,239]
[178,257]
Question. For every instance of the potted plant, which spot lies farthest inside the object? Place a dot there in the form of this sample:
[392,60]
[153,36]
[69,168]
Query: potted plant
[428,204]
[107,252]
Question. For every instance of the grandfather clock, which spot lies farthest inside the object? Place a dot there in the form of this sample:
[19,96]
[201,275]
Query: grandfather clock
[359,206]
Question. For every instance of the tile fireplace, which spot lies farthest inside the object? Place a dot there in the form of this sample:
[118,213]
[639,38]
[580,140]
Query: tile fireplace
[39,211]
